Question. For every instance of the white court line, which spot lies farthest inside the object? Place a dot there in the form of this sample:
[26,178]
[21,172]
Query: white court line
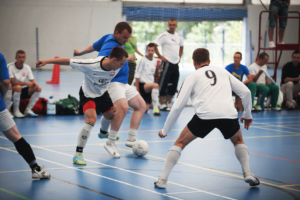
[182,192]
[48,169]
[122,170]
[283,126]
[278,130]
[100,176]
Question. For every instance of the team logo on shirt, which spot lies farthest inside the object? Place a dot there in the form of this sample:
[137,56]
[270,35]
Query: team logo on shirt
[23,74]
[112,74]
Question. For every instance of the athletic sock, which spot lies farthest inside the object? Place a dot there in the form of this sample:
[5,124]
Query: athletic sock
[112,137]
[33,99]
[241,152]
[105,123]
[154,96]
[16,100]
[7,99]
[171,160]
[25,150]
[132,135]
[83,137]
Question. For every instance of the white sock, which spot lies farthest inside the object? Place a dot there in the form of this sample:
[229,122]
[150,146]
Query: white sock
[33,99]
[154,96]
[16,100]
[241,152]
[132,135]
[105,123]
[83,137]
[7,99]
[112,137]
[171,160]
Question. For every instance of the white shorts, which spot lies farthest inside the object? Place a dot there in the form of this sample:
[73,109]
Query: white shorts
[117,90]
[6,122]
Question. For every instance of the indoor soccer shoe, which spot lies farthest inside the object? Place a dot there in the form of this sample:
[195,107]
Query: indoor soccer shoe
[78,159]
[130,143]
[18,114]
[105,136]
[258,108]
[169,106]
[112,150]
[161,183]
[251,179]
[42,174]
[163,107]
[30,113]
[156,112]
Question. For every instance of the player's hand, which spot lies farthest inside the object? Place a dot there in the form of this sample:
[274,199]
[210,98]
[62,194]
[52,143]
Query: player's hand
[260,71]
[76,52]
[131,58]
[31,84]
[40,63]
[248,122]
[164,59]
[160,134]
[179,60]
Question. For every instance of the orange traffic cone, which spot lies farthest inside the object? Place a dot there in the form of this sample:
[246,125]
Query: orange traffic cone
[55,74]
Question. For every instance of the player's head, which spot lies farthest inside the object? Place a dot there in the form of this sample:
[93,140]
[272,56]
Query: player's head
[122,32]
[118,57]
[263,59]
[237,57]
[172,25]
[296,57]
[20,57]
[201,57]
[150,49]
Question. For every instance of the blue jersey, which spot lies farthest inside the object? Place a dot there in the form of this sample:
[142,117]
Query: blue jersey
[243,70]
[104,47]
[3,75]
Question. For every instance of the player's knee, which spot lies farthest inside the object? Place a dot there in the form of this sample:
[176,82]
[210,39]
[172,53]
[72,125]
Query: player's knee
[17,88]
[109,114]
[122,109]
[38,88]
[156,86]
[290,84]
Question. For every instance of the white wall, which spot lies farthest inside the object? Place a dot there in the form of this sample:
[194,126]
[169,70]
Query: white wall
[291,34]
[63,26]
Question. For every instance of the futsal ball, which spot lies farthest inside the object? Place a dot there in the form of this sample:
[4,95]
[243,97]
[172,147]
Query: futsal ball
[140,148]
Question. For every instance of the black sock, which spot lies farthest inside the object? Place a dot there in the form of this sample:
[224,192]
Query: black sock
[35,167]
[79,149]
[24,149]
[103,132]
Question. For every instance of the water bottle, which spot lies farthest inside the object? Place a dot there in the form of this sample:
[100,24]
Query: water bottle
[51,106]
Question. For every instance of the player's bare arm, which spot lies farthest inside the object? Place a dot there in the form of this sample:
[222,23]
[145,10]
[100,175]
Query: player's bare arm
[131,58]
[137,81]
[180,53]
[59,61]
[14,83]
[159,55]
[4,86]
[255,77]
[88,49]
[287,79]
[249,79]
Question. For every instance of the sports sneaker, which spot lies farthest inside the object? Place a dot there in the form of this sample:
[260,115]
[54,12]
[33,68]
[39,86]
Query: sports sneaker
[18,114]
[161,183]
[281,42]
[169,106]
[276,108]
[258,108]
[251,179]
[30,113]
[103,135]
[42,174]
[271,44]
[156,112]
[163,107]
[78,159]
[130,143]
[112,150]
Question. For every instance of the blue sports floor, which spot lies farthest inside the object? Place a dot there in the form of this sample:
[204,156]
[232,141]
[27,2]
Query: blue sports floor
[207,169]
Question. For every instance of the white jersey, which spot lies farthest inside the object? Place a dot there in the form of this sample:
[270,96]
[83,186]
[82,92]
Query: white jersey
[254,69]
[170,44]
[210,89]
[20,75]
[145,70]
[96,79]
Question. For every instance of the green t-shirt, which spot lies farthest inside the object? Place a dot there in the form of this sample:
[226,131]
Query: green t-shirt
[130,46]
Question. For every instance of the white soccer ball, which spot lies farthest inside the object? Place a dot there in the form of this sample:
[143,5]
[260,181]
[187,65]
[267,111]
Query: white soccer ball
[140,148]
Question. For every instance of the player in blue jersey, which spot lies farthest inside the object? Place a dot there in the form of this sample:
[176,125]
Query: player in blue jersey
[10,130]
[119,91]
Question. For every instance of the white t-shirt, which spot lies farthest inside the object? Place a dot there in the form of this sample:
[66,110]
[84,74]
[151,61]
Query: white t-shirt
[210,89]
[170,44]
[254,69]
[96,79]
[145,70]
[20,75]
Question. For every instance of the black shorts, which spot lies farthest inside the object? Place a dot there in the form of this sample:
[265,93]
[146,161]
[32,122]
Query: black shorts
[24,93]
[102,103]
[146,96]
[168,79]
[202,127]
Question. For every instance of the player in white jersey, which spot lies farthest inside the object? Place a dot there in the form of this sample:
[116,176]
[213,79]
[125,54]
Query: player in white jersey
[144,76]
[93,94]
[21,89]
[210,91]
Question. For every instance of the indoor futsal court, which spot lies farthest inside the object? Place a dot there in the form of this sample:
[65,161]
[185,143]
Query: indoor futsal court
[237,33]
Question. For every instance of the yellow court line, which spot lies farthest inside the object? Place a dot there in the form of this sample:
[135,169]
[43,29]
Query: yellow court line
[62,134]
[294,185]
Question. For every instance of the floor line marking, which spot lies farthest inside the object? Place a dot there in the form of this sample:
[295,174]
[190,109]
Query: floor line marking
[278,130]
[182,192]
[15,194]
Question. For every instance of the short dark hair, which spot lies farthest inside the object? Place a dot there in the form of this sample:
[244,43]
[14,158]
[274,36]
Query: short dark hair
[121,26]
[118,53]
[238,53]
[201,55]
[262,55]
[172,19]
[151,45]
[296,52]
[20,52]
